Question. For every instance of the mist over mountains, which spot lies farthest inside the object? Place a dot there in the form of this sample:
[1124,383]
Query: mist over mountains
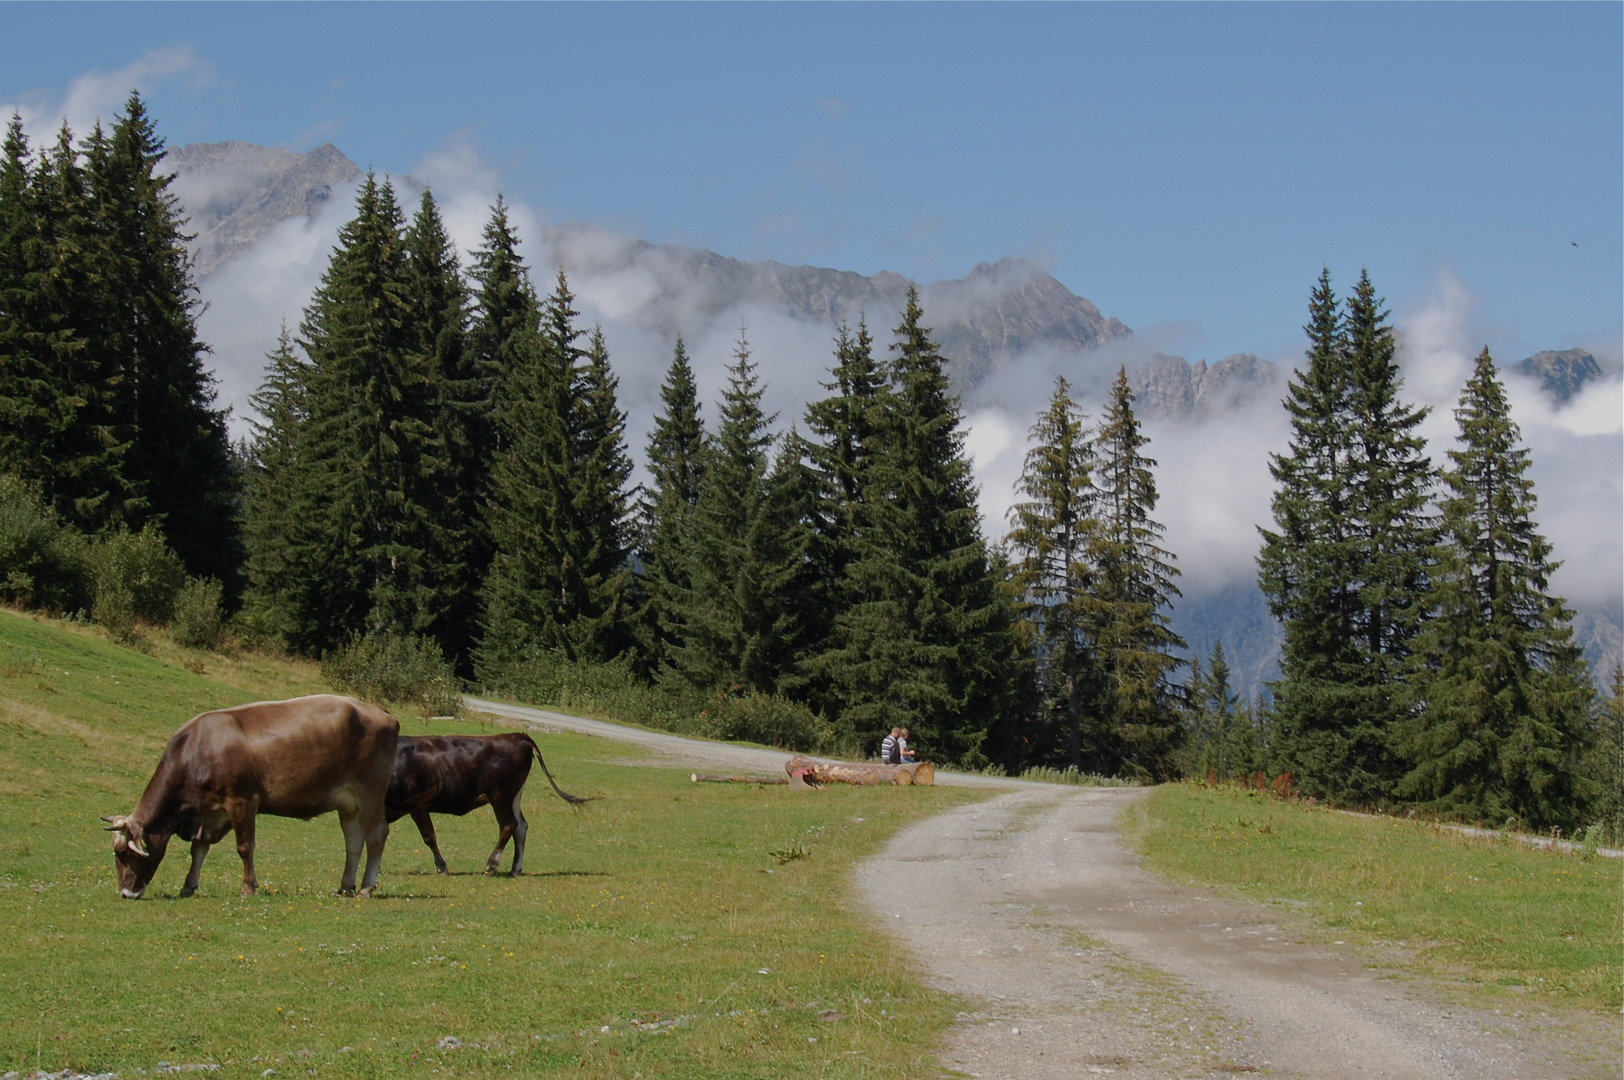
[265,220]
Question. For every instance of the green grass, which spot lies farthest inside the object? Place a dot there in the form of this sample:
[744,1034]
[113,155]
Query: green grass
[651,912]
[1493,920]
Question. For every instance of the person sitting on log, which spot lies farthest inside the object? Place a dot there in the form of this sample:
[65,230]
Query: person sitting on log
[904,755]
[889,753]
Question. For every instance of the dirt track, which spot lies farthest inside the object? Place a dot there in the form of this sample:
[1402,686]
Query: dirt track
[1074,962]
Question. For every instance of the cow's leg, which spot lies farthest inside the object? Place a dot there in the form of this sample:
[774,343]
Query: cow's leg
[200,851]
[425,826]
[242,814]
[376,828]
[504,819]
[354,839]
[520,827]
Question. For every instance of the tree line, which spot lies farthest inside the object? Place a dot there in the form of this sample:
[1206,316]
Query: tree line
[438,457]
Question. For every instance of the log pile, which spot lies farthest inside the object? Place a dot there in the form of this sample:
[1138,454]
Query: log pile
[861,774]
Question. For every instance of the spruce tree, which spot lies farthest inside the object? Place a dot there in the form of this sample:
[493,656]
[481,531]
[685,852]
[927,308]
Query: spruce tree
[728,622]
[603,627]
[834,467]
[1133,590]
[1217,718]
[1345,567]
[454,473]
[676,463]
[1053,538]
[37,407]
[533,591]
[927,641]
[179,454]
[360,467]
[272,529]
[88,481]
[1500,724]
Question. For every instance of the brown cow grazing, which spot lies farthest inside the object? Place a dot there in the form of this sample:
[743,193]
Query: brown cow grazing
[298,758]
[453,774]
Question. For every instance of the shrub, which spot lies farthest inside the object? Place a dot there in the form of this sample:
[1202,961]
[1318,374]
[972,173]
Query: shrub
[769,720]
[41,560]
[614,689]
[395,667]
[196,621]
[135,577]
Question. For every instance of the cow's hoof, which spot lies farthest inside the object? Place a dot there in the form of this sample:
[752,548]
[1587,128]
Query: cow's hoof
[249,890]
[442,870]
[346,891]
[364,894]
[185,892]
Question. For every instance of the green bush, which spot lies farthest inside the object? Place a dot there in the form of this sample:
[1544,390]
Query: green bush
[41,560]
[135,578]
[771,721]
[395,667]
[614,689]
[197,621]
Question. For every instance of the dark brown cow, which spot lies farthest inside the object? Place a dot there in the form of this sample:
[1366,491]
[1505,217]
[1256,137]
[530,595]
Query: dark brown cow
[298,758]
[453,774]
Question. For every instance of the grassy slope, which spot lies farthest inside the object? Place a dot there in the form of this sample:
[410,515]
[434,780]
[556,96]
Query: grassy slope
[658,904]
[1507,925]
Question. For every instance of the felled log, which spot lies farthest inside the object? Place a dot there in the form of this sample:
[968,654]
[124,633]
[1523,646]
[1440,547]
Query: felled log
[730,778]
[862,774]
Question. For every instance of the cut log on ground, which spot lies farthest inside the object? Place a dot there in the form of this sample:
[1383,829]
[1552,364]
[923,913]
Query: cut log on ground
[730,778]
[862,774]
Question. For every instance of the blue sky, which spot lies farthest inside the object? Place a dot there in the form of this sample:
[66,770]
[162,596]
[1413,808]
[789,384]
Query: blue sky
[1187,167]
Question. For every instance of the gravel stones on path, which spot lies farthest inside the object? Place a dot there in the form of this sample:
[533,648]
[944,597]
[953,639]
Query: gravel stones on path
[1074,962]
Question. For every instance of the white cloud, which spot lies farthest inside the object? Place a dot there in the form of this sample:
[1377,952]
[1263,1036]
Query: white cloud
[100,95]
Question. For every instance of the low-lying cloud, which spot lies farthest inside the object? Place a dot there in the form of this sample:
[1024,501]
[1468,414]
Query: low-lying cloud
[1213,472]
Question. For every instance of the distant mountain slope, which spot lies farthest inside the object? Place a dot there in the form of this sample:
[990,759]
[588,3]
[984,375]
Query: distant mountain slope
[1563,373]
[234,192]
[990,315]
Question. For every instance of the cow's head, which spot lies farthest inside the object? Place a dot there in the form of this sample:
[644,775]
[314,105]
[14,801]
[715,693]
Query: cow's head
[136,855]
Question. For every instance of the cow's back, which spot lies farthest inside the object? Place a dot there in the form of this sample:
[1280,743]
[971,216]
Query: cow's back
[454,774]
[302,757]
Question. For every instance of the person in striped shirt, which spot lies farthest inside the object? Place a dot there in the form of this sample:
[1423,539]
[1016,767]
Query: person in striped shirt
[890,747]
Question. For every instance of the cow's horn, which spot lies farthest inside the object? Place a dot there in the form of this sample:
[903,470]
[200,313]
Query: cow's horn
[135,846]
[116,823]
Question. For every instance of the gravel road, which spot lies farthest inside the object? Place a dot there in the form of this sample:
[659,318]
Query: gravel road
[1071,961]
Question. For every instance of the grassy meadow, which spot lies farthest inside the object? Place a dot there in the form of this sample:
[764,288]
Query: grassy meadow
[1492,920]
[657,934]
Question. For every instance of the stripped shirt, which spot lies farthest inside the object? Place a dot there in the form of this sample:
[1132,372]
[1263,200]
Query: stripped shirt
[888,751]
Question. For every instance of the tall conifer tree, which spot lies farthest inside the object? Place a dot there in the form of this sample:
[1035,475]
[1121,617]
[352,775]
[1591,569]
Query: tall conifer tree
[1133,591]
[37,405]
[532,593]
[366,443]
[728,620]
[676,463]
[838,460]
[179,455]
[927,641]
[1500,724]
[88,480]
[273,531]
[453,471]
[1345,567]
[601,502]
[1053,535]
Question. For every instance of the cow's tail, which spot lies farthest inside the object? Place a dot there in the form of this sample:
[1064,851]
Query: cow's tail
[573,800]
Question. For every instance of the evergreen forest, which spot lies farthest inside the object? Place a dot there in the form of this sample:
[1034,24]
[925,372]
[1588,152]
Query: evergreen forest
[438,472]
